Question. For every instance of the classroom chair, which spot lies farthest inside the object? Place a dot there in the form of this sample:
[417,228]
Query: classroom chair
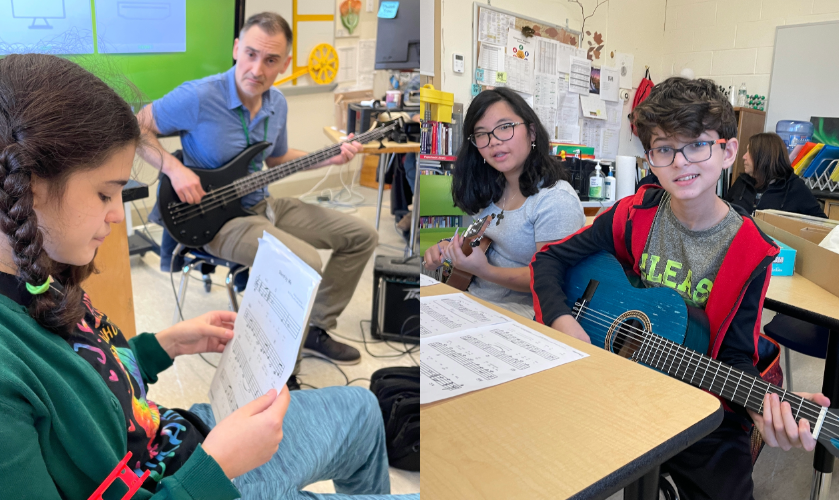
[235,281]
[799,336]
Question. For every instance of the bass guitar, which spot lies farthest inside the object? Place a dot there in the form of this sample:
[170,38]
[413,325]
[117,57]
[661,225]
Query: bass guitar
[195,225]
[654,327]
[472,237]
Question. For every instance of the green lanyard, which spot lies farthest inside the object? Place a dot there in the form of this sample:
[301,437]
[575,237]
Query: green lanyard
[248,136]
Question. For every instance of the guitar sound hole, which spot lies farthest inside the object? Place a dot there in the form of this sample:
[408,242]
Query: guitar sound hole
[627,338]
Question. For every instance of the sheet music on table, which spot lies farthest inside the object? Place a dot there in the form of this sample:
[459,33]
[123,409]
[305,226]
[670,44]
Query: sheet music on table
[461,357]
[273,317]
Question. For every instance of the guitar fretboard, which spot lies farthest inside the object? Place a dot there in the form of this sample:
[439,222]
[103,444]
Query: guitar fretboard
[706,373]
[258,180]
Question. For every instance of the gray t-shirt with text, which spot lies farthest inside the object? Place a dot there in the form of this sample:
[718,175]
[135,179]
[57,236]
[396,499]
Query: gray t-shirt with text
[684,260]
[551,214]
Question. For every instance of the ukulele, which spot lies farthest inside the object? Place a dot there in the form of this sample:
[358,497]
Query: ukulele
[621,319]
[196,225]
[472,237]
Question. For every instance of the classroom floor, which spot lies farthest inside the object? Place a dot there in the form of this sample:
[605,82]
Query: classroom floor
[188,380]
[779,474]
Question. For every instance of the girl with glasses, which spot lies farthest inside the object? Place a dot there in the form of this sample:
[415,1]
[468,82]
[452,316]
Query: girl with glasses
[504,168]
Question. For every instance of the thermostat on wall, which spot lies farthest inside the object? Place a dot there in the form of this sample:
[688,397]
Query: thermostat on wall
[458,64]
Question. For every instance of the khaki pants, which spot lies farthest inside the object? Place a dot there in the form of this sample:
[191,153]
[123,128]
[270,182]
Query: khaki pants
[304,228]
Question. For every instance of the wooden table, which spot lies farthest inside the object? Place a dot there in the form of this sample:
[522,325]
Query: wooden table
[800,298]
[581,430]
[385,150]
[110,290]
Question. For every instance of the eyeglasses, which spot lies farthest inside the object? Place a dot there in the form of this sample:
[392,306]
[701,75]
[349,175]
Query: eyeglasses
[503,132]
[694,152]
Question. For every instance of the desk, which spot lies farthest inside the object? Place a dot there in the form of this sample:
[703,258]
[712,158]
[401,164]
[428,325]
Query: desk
[581,430]
[110,290]
[385,156]
[800,298]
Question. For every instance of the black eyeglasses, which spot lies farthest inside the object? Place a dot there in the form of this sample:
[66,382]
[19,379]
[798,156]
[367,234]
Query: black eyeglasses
[694,152]
[503,132]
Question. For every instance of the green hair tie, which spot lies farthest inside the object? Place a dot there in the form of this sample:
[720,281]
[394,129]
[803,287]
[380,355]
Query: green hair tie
[38,290]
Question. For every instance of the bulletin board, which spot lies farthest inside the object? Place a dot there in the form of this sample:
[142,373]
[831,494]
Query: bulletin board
[552,74]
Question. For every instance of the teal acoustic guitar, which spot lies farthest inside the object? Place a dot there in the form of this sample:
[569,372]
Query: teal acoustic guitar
[654,327]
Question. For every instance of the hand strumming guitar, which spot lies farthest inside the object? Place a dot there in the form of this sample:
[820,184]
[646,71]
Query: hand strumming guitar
[569,326]
[476,263]
[434,255]
[185,182]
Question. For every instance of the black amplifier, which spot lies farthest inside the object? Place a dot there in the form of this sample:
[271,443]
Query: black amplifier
[396,305]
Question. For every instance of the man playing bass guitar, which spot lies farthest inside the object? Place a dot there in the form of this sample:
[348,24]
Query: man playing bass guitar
[219,116]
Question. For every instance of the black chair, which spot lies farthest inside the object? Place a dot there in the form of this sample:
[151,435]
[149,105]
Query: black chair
[799,336]
[206,264]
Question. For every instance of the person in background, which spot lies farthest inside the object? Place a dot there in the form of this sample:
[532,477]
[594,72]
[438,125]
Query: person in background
[504,168]
[769,181]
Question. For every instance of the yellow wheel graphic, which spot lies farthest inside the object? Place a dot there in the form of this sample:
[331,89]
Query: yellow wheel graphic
[323,64]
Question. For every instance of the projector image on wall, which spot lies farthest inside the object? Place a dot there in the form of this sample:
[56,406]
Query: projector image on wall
[39,9]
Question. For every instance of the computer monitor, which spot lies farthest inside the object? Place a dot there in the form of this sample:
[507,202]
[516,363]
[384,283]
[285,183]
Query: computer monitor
[398,39]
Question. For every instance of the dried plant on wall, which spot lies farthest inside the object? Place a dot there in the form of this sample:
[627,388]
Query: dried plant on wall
[350,12]
[595,47]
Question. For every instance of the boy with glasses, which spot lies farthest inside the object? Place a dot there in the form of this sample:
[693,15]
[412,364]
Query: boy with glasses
[681,235]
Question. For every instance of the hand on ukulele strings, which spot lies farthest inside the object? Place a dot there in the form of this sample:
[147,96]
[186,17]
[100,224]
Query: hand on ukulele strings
[434,255]
[209,332]
[348,152]
[476,263]
[569,326]
[185,182]
[777,424]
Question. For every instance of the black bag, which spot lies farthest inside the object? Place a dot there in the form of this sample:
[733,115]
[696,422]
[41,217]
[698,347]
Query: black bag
[397,389]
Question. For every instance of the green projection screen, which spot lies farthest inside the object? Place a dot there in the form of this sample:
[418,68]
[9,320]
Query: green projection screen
[155,45]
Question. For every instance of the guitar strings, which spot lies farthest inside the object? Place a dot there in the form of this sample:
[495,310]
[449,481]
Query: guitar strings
[365,137]
[220,197]
[669,344]
[663,343]
[827,425]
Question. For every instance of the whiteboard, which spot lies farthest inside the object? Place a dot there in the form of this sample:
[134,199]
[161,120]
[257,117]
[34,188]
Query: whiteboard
[805,78]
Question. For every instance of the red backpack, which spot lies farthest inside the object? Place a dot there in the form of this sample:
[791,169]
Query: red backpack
[644,89]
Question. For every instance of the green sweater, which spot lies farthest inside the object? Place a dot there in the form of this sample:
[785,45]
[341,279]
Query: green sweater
[62,430]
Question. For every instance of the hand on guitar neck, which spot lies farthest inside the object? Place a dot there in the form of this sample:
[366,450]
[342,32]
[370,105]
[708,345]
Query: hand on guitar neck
[777,424]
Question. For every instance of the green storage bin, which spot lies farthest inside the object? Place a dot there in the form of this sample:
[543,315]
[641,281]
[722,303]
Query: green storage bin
[436,201]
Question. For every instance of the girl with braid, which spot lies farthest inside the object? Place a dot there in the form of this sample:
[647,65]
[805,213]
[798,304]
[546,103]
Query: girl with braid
[73,390]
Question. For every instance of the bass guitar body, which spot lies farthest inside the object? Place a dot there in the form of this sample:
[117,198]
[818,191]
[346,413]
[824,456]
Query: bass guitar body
[197,225]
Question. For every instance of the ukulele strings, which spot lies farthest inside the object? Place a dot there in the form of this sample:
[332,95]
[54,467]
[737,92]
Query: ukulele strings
[221,196]
[808,408]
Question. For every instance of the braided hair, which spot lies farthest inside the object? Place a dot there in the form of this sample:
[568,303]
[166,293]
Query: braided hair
[56,119]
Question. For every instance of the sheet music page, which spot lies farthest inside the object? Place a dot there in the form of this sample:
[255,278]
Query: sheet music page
[274,314]
[478,358]
[455,312]
[426,280]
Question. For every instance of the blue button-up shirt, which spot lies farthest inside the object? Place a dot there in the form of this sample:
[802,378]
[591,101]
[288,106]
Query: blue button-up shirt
[206,114]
